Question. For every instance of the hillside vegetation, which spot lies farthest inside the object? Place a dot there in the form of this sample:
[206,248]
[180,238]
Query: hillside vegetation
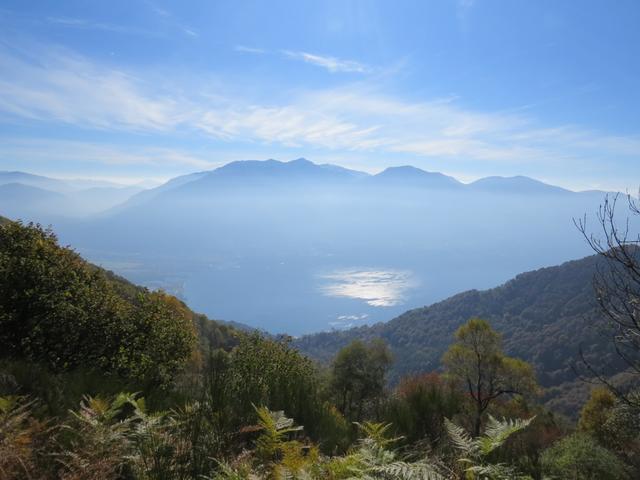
[64,314]
[545,316]
[104,380]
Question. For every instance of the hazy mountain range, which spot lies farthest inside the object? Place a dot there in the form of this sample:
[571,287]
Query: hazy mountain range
[28,196]
[299,247]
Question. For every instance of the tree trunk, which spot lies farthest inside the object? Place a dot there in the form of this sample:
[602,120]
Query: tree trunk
[478,421]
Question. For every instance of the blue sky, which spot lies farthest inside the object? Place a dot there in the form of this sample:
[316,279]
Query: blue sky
[141,89]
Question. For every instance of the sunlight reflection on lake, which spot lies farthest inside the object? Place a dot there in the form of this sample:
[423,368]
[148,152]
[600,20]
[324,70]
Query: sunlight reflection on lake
[379,288]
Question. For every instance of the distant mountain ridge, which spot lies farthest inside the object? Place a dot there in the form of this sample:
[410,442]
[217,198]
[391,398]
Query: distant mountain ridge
[406,175]
[265,172]
[299,172]
[53,184]
[34,197]
[275,245]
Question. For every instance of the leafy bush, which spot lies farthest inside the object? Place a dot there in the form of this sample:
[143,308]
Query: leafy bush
[59,311]
[580,457]
[420,404]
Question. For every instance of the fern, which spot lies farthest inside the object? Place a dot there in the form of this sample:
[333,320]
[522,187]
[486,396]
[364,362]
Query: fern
[498,431]
[475,450]
[421,470]
[374,460]
[461,439]
[227,472]
[16,436]
[377,432]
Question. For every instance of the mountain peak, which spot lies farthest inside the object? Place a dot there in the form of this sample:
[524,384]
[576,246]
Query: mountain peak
[515,184]
[413,176]
[300,161]
[403,170]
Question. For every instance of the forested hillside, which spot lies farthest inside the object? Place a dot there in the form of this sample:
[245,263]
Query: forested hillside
[61,313]
[545,316]
[213,402]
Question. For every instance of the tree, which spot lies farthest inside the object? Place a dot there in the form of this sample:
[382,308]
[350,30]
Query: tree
[617,283]
[477,363]
[358,377]
[596,412]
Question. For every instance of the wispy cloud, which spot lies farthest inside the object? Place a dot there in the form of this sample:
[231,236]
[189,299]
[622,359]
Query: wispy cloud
[245,49]
[85,24]
[62,87]
[165,17]
[47,151]
[329,63]
[58,86]
[170,19]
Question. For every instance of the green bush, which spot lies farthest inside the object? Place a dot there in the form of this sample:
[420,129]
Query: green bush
[58,311]
[580,457]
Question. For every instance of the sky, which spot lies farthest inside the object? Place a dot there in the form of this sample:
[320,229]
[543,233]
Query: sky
[145,90]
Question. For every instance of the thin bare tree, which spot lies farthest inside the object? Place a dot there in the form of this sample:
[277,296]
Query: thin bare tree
[617,282]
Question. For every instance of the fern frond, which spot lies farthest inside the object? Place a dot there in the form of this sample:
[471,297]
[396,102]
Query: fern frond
[377,432]
[498,471]
[226,472]
[460,438]
[498,431]
[409,471]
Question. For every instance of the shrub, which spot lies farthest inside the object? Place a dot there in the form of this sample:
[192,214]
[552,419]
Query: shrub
[580,457]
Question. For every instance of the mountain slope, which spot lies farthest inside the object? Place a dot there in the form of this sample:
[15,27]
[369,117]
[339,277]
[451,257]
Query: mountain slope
[35,266]
[544,315]
[17,199]
[147,195]
[31,180]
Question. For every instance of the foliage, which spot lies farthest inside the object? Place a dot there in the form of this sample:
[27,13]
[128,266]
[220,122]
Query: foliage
[116,438]
[475,451]
[276,426]
[375,458]
[18,433]
[270,372]
[579,456]
[358,378]
[197,418]
[420,404]
[614,424]
[524,450]
[476,362]
[57,310]
[97,443]
[277,451]
[595,413]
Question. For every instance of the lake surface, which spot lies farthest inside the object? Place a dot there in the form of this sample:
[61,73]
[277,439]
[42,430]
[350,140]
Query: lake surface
[298,296]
